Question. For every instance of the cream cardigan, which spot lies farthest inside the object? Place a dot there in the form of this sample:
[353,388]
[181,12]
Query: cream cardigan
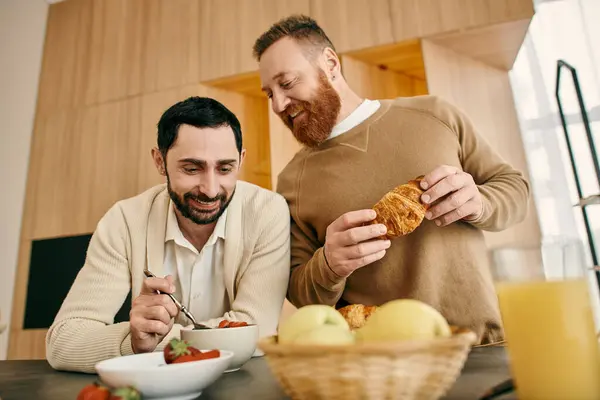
[131,237]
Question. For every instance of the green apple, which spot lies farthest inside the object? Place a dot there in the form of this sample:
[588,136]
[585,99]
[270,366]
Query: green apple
[404,319]
[327,335]
[315,324]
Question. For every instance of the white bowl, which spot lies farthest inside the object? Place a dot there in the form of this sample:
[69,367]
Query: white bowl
[242,341]
[153,378]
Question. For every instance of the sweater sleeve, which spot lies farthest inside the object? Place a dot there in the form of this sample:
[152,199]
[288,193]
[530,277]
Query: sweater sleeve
[312,281]
[263,285]
[504,190]
[83,332]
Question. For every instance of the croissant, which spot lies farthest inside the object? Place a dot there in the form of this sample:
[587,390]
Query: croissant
[357,314]
[401,210]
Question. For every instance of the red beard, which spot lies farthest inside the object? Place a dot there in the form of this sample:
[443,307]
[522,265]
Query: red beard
[316,119]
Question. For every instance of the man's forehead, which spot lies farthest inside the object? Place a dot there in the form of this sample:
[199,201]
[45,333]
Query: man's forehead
[284,56]
[191,139]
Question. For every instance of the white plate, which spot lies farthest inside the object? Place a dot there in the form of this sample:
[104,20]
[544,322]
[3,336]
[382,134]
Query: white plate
[149,374]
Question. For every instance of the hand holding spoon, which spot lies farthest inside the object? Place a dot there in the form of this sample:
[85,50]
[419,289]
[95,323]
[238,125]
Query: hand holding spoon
[181,307]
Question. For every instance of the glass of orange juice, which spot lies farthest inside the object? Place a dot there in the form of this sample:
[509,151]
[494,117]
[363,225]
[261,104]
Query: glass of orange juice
[549,325]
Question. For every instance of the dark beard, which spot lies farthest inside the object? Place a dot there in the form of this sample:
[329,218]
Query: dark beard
[198,216]
[319,115]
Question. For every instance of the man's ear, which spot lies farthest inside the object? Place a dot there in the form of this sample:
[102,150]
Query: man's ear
[333,66]
[242,157]
[159,161]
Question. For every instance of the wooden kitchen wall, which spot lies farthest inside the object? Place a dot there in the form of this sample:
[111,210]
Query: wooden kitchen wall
[111,67]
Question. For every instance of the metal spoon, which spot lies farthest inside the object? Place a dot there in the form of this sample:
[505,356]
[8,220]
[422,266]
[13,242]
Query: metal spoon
[179,305]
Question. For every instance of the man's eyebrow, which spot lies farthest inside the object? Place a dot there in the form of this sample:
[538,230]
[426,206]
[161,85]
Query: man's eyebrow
[194,161]
[227,161]
[203,163]
[279,75]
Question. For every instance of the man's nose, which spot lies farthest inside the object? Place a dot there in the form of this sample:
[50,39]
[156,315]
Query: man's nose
[279,103]
[210,185]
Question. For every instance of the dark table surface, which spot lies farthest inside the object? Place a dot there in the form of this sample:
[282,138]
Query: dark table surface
[485,367]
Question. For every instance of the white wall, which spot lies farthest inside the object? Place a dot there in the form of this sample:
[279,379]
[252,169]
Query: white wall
[22,31]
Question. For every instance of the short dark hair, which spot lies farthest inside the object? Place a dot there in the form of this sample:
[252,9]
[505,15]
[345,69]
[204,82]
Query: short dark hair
[201,112]
[301,28]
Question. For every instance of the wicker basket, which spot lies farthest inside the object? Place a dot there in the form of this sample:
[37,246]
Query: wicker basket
[400,370]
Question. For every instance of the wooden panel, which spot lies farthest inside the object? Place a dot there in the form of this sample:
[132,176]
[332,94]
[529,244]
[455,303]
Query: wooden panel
[283,146]
[485,94]
[373,82]
[354,24]
[420,18]
[229,28]
[80,166]
[496,45]
[64,72]
[102,50]
[27,345]
[245,83]
[405,57]
[254,117]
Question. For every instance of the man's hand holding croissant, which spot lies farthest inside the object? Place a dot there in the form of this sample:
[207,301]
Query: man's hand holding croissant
[350,245]
[452,195]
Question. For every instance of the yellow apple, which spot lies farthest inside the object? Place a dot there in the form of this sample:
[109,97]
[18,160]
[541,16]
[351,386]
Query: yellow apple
[404,319]
[326,334]
[315,324]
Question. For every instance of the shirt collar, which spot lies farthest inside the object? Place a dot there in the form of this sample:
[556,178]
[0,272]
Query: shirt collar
[362,112]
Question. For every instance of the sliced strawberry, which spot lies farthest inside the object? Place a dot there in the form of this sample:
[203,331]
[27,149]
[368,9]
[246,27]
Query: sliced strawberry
[224,324]
[198,356]
[177,348]
[210,354]
[187,358]
[235,324]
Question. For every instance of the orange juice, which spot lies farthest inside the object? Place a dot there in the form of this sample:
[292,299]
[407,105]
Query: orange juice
[551,339]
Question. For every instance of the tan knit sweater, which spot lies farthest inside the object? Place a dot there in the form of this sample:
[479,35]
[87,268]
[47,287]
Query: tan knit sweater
[131,236]
[445,267]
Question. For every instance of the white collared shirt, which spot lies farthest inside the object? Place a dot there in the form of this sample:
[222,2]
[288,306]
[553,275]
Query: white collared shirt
[198,275]
[362,112]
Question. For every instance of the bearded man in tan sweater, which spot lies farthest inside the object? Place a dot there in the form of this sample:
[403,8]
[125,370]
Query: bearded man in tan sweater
[355,150]
[204,235]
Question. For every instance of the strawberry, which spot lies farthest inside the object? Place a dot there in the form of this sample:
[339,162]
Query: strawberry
[94,391]
[125,393]
[234,324]
[177,348]
[210,354]
[224,324]
[186,358]
[231,324]
[197,356]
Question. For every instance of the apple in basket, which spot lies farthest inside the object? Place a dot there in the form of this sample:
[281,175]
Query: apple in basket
[403,319]
[315,324]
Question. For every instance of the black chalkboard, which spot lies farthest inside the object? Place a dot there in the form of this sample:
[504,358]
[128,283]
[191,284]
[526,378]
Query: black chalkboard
[53,267]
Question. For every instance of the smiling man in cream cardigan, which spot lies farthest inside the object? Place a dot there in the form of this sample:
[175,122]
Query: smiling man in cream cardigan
[220,245]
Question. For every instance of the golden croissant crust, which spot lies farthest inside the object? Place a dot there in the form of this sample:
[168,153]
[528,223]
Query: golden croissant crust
[401,210]
[357,314]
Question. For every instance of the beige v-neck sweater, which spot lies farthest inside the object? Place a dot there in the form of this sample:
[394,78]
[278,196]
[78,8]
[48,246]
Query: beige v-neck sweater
[445,267]
[131,237]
